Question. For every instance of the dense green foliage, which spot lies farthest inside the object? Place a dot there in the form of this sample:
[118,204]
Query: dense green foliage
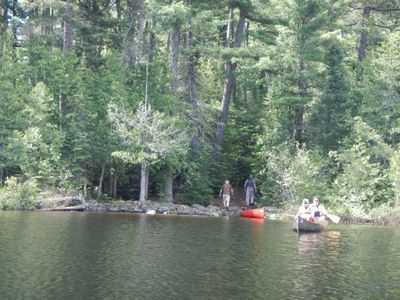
[308,114]
[15,195]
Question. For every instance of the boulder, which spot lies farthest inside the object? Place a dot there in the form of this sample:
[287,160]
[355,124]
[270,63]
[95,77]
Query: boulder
[163,209]
[184,210]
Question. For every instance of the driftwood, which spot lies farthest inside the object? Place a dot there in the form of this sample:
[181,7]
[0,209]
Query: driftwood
[81,207]
[63,203]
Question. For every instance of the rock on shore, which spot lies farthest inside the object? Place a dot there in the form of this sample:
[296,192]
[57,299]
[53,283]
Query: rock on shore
[162,208]
[77,203]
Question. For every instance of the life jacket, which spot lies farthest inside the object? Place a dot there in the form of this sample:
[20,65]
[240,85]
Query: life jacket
[315,211]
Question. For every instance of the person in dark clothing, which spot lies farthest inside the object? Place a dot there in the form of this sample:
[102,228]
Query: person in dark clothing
[250,189]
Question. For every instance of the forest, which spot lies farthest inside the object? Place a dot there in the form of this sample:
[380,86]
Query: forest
[165,99]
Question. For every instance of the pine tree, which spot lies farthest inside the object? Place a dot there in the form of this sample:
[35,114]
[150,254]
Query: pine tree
[329,122]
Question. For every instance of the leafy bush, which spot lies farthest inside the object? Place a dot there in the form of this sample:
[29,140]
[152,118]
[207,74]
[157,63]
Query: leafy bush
[363,181]
[349,214]
[385,214]
[197,186]
[36,149]
[394,175]
[298,173]
[18,196]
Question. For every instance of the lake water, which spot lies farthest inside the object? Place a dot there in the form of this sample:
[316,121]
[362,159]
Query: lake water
[72,255]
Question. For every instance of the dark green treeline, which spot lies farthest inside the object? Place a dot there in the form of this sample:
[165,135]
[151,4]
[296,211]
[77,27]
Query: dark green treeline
[164,99]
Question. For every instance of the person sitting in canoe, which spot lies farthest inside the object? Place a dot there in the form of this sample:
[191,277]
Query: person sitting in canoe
[304,210]
[318,211]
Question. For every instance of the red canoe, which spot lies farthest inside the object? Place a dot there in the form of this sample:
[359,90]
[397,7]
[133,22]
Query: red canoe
[257,213]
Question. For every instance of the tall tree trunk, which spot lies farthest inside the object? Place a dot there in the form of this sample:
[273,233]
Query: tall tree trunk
[60,111]
[227,90]
[129,43]
[67,47]
[142,20]
[362,48]
[47,25]
[113,183]
[101,179]
[14,25]
[152,45]
[4,16]
[110,180]
[119,13]
[299,110]
[192,93]
[139,36]
[118,9]
[143,184]
[114,187]
[167,43]
[68,30]
[4,13]
[299,123]
[146,193]
[175,55]
[223,116]
[168,182]
[229,30]
[247,30]
[230,69]
[174,71]
[85,189]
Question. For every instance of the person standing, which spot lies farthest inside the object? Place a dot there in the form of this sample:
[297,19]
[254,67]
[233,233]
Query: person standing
[250,189]
[226,192]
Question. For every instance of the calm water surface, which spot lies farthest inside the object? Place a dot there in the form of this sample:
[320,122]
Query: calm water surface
[125,256]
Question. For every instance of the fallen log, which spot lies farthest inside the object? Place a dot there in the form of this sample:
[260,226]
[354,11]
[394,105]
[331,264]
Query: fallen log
[81,207]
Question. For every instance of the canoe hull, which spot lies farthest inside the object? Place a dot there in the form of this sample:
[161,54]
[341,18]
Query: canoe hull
[257,213]
[303,225]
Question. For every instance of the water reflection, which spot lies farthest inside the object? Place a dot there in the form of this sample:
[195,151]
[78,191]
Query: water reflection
[327,240]
[111,256]
[317,253]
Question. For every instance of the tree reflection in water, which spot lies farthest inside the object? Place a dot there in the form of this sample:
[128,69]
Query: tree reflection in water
[318,253]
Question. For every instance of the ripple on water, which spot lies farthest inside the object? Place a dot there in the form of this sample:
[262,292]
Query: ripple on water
[112,256]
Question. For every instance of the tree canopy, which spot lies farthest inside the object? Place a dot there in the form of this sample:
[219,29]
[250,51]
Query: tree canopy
[303,94]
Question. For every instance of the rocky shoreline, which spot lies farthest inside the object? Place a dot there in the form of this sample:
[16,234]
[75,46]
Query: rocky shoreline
[54,202]
[78,203]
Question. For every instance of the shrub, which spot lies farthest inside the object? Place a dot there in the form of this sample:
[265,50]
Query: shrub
[196,183]
[363,181]
[349,214]
[18,196]
[385,214]
[394,175]
[298,174]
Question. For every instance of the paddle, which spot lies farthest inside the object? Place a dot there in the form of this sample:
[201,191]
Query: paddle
[333,218]
[322,223]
